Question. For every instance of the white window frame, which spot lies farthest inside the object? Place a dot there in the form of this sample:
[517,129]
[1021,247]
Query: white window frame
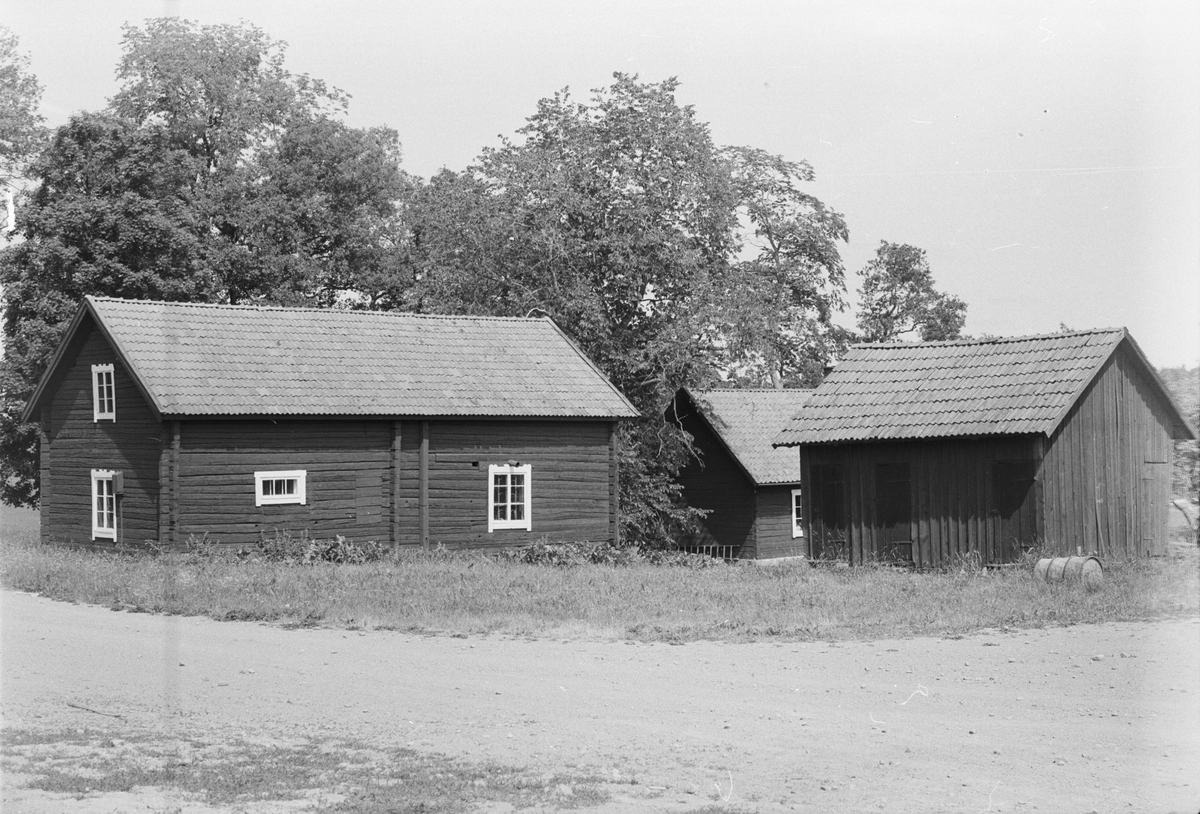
[100,380]
[797,514]
[99,530]
[300,496]
[525,522]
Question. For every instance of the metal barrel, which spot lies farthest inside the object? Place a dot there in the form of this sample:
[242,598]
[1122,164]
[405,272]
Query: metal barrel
[1088,570]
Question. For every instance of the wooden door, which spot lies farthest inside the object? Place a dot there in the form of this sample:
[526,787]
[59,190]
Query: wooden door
[1015,489]
[1155,493]
[893,513]
[827,499]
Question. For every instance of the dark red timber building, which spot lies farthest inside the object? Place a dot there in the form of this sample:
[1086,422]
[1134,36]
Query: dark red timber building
[751,489]
[165,420]
[923,453]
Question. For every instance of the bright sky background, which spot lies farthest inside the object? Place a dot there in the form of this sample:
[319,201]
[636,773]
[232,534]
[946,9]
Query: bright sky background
[1046,155]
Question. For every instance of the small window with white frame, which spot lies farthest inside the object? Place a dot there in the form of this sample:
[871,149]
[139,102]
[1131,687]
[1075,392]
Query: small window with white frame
[280,486]
[104,505]
[797,514]
[509,487]
[104,395]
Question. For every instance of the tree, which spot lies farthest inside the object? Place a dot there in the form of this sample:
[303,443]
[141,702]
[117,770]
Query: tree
[214,175]
[898,298]
[622,220]
[21,128]
[1184,384]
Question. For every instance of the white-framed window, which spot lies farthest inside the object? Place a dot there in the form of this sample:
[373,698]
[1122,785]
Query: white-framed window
[104,395]
[104,505]
[509,489]
[797,514]
[280,486]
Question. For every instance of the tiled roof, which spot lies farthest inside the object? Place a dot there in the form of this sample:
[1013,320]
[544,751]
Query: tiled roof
[197,359]
[748,421]
[940,389]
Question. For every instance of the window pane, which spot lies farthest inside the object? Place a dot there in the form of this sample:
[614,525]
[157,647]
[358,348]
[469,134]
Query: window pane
[500,511]
[518,495]
[518,511]
[289,486]
[268,488]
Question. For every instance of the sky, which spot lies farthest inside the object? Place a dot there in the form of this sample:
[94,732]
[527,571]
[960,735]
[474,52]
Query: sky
[1045,155]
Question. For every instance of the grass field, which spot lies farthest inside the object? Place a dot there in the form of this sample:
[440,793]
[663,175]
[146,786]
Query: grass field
[470,594]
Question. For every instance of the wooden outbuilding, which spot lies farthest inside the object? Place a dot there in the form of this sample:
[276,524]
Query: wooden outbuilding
[160,421]
[750,489]
[926,453]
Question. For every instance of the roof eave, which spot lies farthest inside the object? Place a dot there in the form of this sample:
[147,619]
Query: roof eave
[134,373]
[720,439]
[86,308]
[634,412]
[34,404]
[1181,421]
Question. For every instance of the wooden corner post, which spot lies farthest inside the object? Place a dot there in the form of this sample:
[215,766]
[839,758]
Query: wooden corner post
[423,494]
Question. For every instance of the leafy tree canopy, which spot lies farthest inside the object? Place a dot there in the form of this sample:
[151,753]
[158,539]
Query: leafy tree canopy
[21,128]
[213,175]
[898,298]
[621,219]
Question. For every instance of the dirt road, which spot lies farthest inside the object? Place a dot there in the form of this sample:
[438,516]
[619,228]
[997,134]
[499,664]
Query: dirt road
[1093,718]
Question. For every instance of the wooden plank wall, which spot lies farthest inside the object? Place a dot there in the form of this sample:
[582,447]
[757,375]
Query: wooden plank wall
[951,492]
[75,445]
[718,484]
[1107,468]
[349,478]
[571,480]
[773,524]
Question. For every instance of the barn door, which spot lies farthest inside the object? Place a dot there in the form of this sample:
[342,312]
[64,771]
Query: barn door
[893,513]
[1015,488]
[827,496]
[1155,494]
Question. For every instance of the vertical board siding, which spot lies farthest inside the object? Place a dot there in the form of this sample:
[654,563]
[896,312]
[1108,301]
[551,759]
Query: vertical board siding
[716,483]
[1096,496]
[75,445]
[347,465]
[952,499]
[773,534]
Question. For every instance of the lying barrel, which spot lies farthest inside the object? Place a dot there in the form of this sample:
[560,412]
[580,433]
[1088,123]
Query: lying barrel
[1087,570]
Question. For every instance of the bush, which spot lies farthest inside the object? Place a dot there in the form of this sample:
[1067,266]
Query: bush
[586,553]
[282,546]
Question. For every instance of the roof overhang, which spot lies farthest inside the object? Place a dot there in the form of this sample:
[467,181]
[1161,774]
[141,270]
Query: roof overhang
[86,317]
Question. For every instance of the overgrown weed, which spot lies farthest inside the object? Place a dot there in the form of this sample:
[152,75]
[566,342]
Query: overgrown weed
[590,591]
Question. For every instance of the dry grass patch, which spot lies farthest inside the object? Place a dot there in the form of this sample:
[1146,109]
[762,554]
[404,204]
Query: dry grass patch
[327,776]
[469,594]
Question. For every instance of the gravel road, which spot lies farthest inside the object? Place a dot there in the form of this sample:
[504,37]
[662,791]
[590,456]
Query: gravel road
[1099,718]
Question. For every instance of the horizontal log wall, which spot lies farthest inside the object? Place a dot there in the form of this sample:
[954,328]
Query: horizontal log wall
[571,480]
[773,525]
[348,482]
[75,445]
[1107,469]
[951,487]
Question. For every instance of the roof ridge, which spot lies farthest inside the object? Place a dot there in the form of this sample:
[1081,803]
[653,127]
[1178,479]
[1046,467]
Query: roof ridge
[314,310]
[755,390]
[995,340]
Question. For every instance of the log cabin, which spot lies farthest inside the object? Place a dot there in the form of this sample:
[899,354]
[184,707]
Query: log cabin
[929,454]
[166,422]
[750,489]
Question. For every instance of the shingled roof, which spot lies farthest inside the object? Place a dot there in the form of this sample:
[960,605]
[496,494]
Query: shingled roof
[747,421]
[215,360]
[963,388]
